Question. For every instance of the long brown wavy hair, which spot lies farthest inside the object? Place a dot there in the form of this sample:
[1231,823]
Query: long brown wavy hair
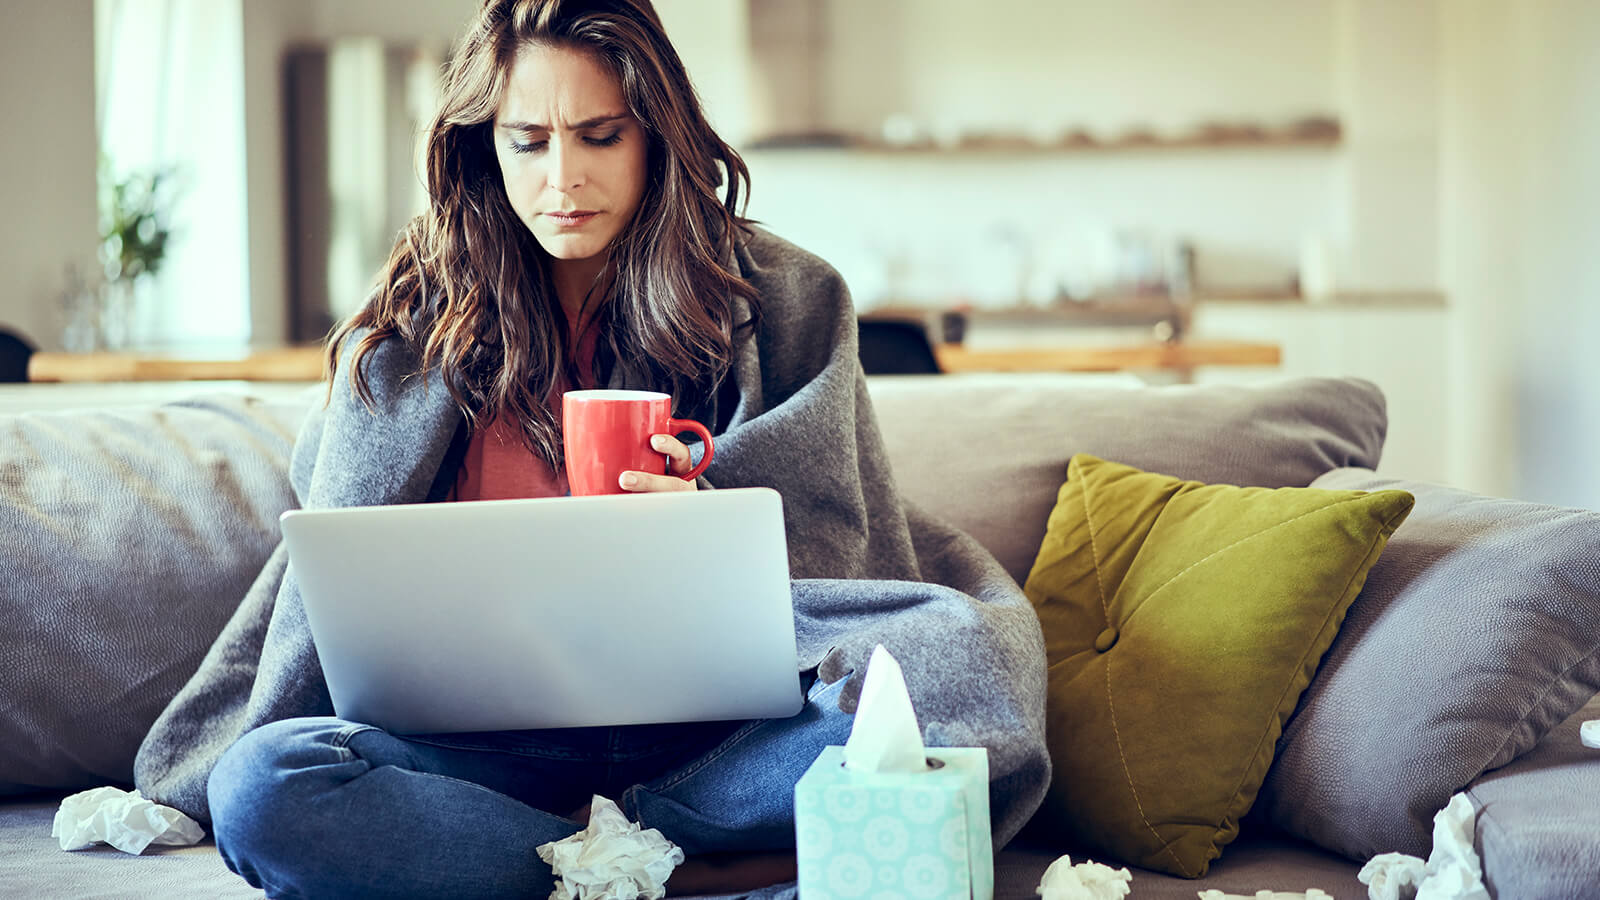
[469,288]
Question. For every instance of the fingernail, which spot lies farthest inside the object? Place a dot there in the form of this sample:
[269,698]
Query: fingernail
[659,442]
[629,481]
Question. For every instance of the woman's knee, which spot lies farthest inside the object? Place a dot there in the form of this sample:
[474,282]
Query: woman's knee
[265,785]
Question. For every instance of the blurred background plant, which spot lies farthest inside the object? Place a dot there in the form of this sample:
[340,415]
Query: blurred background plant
[135,217]
[135,234]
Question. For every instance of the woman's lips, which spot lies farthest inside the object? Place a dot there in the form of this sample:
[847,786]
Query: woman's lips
[572,219]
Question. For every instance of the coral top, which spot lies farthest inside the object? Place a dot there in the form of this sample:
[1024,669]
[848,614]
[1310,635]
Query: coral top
[498,467]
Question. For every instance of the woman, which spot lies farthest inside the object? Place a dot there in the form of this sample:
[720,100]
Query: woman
[575,237]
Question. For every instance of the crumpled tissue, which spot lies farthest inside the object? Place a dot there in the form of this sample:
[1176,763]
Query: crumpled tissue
[1392,876]
[612,859]
[1452,872]
[1312,894]
[885,736]
[1084,881]
[123,819]
[1589,733]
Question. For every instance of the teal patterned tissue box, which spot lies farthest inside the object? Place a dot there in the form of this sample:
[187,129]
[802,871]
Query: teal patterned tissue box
[922,835]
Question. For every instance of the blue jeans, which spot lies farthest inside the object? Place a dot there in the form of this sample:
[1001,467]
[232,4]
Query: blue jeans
[322,807]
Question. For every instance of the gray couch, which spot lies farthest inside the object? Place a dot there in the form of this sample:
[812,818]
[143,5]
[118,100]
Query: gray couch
[131,530]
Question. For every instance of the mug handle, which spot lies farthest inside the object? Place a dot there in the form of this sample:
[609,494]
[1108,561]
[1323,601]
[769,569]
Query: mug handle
[678,426]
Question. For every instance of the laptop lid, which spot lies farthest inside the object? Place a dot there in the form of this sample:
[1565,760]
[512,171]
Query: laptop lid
[552,613]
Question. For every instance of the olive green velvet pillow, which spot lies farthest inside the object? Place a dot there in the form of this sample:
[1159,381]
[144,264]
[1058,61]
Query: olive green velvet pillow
[1181,622]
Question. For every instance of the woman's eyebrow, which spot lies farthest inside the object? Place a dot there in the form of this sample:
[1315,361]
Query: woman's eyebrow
[586,123]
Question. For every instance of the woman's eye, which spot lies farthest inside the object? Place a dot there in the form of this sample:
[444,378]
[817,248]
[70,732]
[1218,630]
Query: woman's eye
[537,146]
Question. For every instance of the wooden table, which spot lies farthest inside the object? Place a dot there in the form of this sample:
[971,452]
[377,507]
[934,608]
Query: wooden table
[305,363]
[274,364]
[1182,357]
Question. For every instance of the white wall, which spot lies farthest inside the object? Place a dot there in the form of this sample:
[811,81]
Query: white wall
[47,160]
[1021,64]
[1402,347]
[1521,224]
[711,39]
[1388,97]
[434,21]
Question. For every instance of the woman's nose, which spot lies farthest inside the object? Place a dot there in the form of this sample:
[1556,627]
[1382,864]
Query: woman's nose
[565,166]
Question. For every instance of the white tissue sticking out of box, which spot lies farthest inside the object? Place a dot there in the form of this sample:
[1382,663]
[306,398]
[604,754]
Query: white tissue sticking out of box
[1312,894]
[1589,733]
[1452,872]
[612,859]
[123,819]
[885,736]
[1084,881]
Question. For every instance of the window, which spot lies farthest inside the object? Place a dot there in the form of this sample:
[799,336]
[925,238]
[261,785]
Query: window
[169,91]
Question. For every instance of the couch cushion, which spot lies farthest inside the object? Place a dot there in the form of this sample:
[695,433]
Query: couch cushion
[1539,818]
[1477,632]
[32,864]
[1181,622]
[987,452]
[130,535]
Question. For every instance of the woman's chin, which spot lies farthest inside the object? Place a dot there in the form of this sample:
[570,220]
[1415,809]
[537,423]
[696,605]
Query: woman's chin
[572,247]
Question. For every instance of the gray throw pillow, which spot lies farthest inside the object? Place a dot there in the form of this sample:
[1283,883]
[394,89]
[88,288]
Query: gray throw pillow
[128,538]
[1477,632]
[988,453]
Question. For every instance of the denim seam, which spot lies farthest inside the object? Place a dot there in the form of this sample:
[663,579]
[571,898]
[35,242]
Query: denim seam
[559,756]
[727,746]
[641,755]
[342,738]
[605,757]
[721,750]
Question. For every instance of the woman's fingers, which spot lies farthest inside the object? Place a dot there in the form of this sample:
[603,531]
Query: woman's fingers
[676,452]
[677,464]
[645,483]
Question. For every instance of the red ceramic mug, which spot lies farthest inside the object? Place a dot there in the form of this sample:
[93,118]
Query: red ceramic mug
[606,433]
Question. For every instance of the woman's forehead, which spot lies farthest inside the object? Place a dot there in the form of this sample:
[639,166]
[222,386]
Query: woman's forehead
[559,88]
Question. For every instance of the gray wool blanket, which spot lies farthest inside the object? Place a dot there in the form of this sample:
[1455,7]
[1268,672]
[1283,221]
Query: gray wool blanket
[866,569]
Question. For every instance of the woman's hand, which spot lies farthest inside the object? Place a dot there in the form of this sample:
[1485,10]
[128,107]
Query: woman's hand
[678,463]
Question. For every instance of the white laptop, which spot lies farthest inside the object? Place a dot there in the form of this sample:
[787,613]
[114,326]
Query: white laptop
[572,611]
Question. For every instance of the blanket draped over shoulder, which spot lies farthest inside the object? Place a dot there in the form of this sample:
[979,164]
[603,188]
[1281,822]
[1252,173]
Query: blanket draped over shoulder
[796,417]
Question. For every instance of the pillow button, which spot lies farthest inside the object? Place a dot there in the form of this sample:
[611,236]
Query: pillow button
[1105,640]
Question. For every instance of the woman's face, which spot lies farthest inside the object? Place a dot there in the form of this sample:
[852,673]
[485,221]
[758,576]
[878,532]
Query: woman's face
[572,156]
